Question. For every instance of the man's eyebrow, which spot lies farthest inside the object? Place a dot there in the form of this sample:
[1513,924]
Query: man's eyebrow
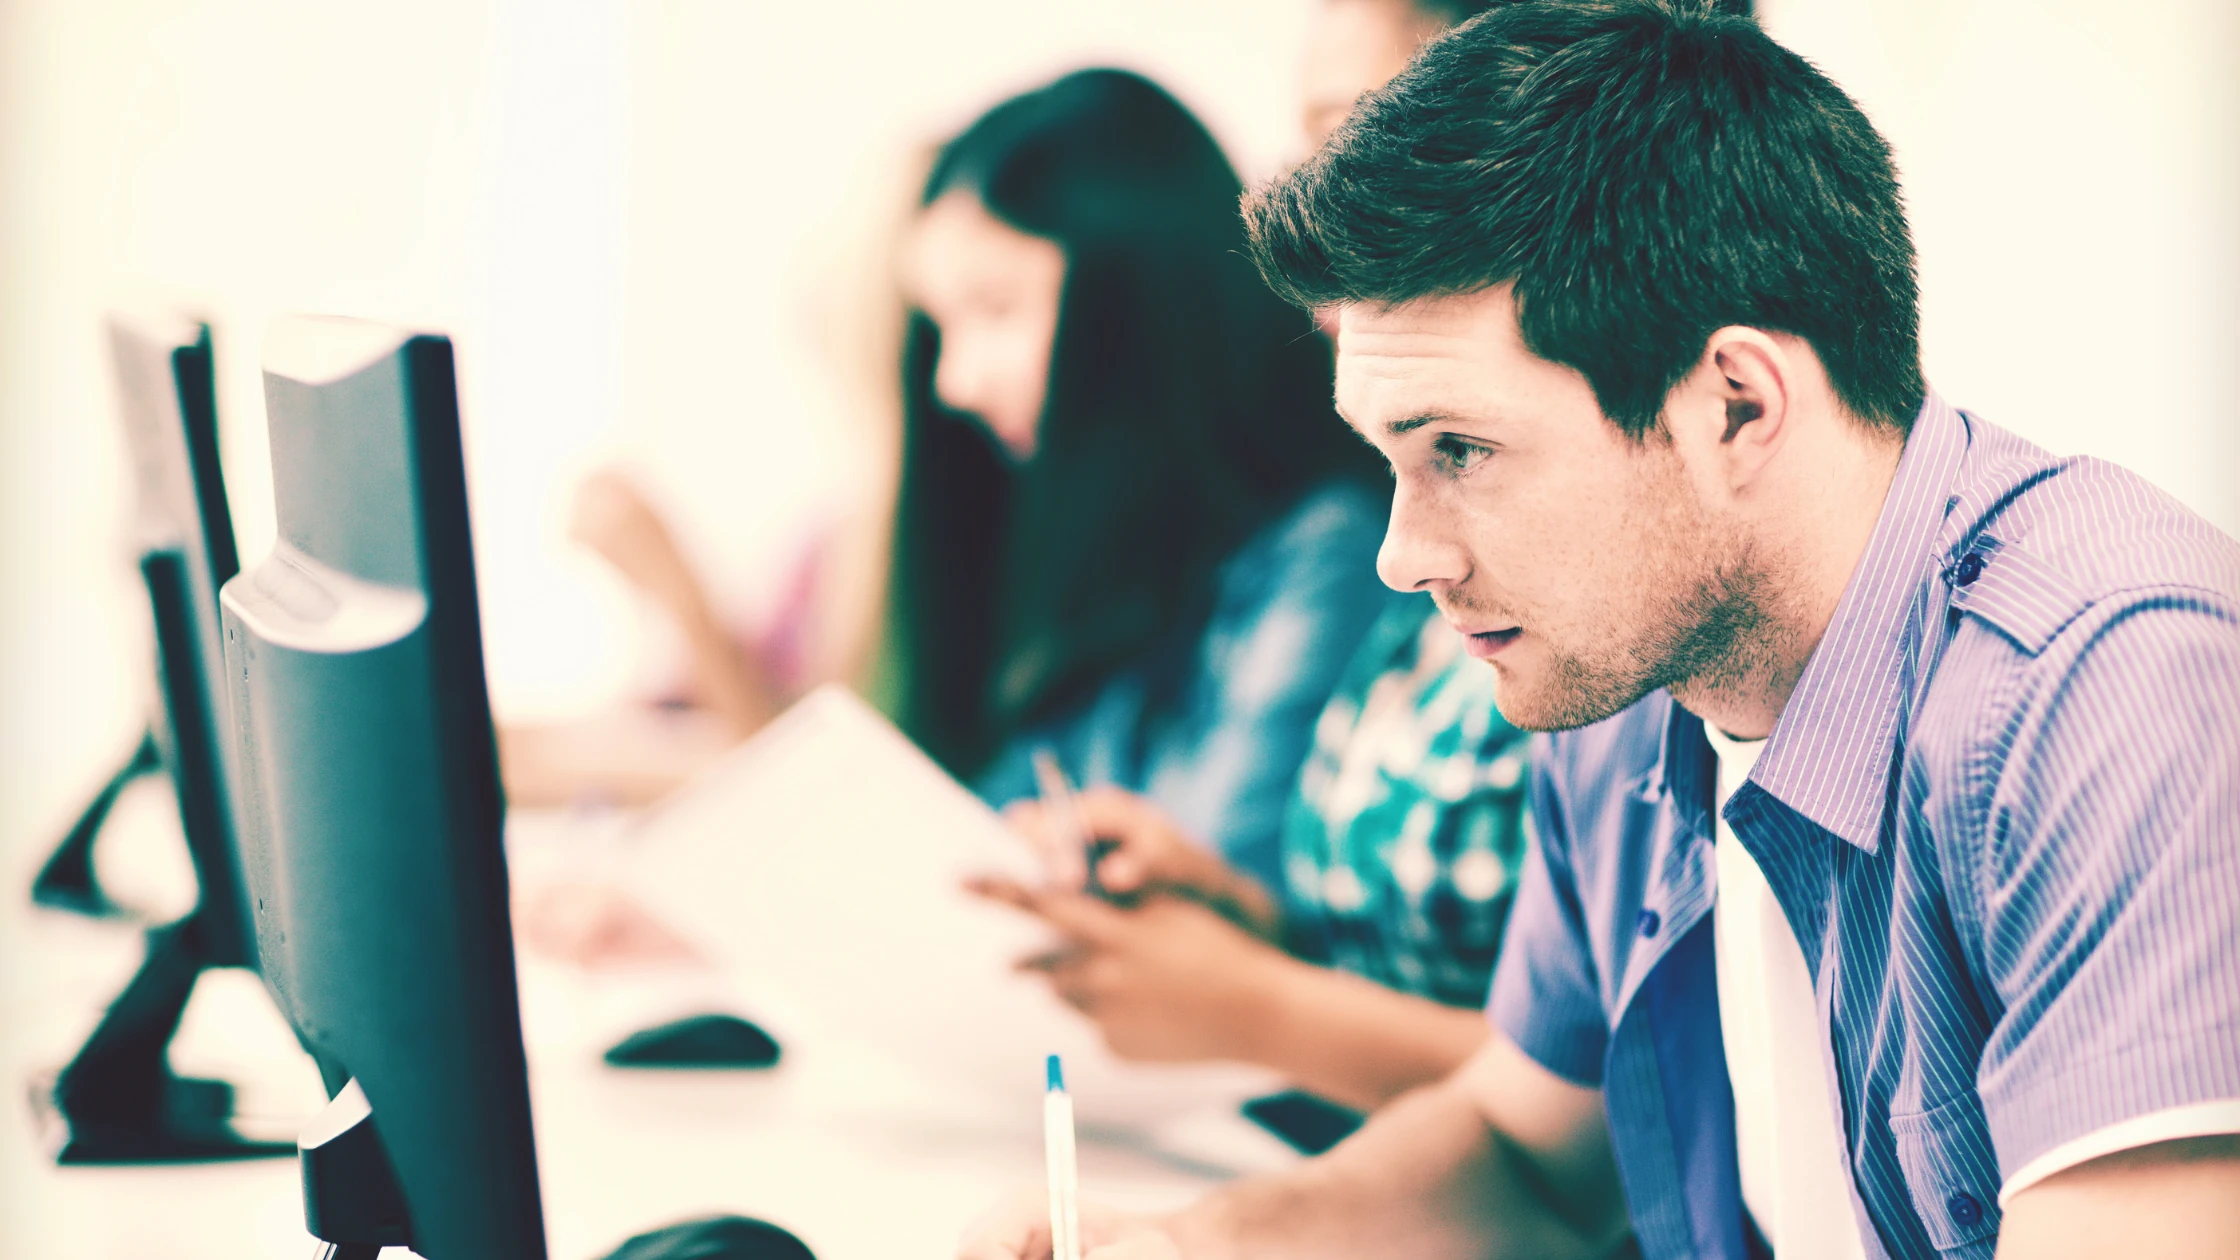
[1408,424]
[1414,422]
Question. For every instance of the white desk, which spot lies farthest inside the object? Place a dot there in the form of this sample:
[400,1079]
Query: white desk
[859,1152]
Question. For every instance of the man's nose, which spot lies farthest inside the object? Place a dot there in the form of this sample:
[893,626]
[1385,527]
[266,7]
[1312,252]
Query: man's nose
[1421,551]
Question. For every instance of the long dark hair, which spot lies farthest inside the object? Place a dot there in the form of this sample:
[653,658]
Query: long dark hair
[1186,407]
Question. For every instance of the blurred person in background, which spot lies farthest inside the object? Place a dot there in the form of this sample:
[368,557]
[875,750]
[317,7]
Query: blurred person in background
[1152,550]
[824,619]
[1362,972]
[1128,527]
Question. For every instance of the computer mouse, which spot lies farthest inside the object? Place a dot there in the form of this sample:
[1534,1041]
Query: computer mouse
[697,1041]
[715,1238]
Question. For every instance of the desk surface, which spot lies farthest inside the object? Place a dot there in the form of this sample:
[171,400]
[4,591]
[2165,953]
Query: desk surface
[860,1153]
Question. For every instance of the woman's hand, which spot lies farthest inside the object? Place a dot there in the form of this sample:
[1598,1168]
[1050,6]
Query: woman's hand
[613,518]
[1165,979]
[595,926]
[1141,852]
[1168,979]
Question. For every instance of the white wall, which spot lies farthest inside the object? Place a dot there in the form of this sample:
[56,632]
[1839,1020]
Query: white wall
[2072,171]
[613,206]
[237,159]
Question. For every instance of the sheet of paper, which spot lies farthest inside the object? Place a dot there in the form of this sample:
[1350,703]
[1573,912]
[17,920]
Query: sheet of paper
[821,863]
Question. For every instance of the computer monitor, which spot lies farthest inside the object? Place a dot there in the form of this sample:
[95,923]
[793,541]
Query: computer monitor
[370,811]
[168,405]
[117,1101]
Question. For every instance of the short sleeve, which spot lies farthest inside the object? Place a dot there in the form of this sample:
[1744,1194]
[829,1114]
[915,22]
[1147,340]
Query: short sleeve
[2113,876]
[1545,998]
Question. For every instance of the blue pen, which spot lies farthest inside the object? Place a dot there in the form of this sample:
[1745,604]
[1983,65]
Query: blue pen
[1057,1151]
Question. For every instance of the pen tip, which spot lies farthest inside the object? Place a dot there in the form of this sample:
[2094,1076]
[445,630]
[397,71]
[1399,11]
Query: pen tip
[1057,1074]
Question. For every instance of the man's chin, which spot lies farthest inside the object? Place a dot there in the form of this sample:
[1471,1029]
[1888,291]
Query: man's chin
[1534,697]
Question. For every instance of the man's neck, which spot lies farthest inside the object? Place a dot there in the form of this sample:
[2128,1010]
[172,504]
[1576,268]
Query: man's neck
[1811,547]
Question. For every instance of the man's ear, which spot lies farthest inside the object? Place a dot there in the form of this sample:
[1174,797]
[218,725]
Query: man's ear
[1746,374]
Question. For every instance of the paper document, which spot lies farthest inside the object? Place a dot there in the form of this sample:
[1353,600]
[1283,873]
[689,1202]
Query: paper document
[822,861]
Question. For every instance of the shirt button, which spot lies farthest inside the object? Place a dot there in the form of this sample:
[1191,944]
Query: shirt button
[1964,1208]
[1971,568]
[1648,921]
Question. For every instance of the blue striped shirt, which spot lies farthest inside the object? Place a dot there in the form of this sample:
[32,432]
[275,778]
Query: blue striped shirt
[2001,812]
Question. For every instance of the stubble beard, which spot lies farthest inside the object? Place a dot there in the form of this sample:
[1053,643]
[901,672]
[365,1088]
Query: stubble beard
[1711,635]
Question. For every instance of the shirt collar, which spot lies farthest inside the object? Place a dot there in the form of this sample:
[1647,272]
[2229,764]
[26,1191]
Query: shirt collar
[1832,753]
[1682,773]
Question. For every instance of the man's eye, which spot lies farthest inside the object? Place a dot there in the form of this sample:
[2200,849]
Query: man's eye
[1458,455]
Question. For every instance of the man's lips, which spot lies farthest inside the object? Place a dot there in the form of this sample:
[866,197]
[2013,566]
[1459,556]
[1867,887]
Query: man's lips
[1485,644]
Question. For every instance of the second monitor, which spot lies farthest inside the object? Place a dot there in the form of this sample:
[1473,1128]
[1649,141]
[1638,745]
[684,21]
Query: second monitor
[371,820]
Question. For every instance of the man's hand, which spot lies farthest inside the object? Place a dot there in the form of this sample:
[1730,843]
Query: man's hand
[1166,979]
[1019,1229]
[1502,1160]
[1144,853]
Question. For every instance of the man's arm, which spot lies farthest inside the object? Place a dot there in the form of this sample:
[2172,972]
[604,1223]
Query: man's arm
[1502,1159]
[2179,1199]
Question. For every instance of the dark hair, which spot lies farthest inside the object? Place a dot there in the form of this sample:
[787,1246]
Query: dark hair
[1645,172]
[1456,12]
[1187,406]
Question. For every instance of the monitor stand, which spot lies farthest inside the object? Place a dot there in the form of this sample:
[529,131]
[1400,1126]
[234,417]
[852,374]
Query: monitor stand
[118,1102]
[352,1202]
[67,881]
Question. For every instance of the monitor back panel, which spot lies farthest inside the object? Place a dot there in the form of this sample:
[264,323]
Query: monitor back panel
[371,810]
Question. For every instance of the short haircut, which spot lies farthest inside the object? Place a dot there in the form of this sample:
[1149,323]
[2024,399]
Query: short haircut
[1645,172]
[1456,12]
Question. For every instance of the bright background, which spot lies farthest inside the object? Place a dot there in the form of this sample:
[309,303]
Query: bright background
[633,216]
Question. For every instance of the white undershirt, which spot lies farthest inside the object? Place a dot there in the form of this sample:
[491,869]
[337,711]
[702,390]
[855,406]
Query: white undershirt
[1786,1139]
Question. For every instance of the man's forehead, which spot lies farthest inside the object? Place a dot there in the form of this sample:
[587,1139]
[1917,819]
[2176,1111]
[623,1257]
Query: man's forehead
[1388,353]
[1461,326]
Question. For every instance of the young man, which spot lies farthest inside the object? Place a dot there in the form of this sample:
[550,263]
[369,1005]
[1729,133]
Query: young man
[1950,726]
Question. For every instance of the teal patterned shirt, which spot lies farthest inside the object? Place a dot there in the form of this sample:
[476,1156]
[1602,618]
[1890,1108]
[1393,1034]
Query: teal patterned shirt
[1403,844]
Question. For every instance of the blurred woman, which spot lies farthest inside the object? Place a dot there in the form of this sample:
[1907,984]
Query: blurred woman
[1152,550]
[1129,527]
[1361,971]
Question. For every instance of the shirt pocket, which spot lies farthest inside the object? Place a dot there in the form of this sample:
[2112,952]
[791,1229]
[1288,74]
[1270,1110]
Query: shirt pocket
[1952,1175]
